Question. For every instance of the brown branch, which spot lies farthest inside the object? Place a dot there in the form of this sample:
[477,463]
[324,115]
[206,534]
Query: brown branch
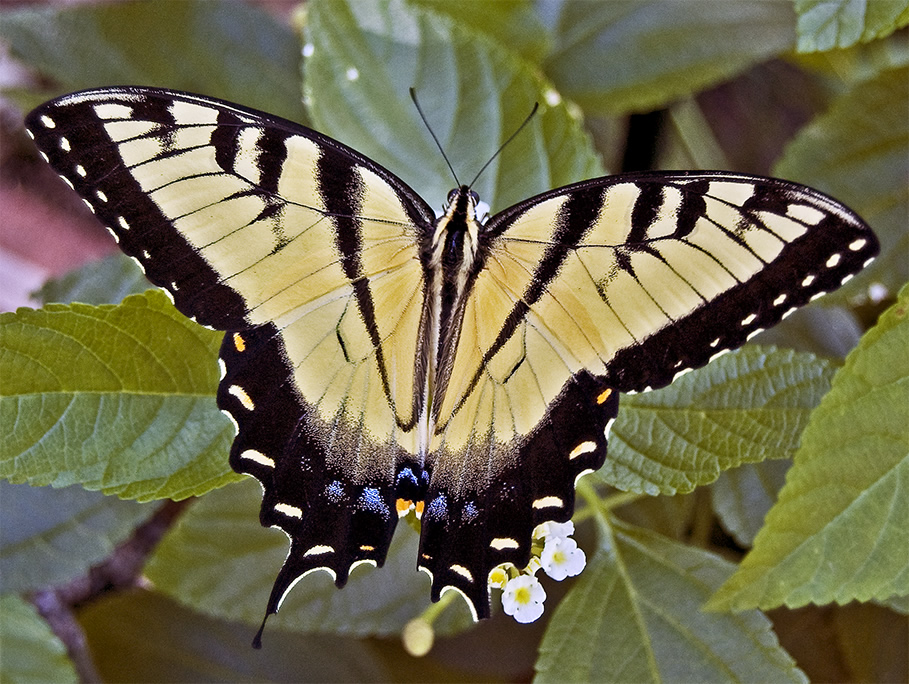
[119,571]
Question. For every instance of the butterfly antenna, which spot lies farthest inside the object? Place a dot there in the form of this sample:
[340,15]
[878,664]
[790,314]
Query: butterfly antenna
[536,106]
[413,96]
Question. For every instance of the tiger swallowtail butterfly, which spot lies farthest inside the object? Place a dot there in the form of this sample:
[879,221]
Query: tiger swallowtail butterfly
[378,358]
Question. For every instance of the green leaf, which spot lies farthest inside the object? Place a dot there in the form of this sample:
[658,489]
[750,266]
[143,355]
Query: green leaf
[223,49]
[514,24]
[142,636]
[639,55]
[220,561]
[859,153]
[742,496]
[116,398]
[633,616]
[106,281]
[828,24]
[475,92]
[31,652]
[50,535]
[747,406]
[827,331]
[861,62]
[838,531]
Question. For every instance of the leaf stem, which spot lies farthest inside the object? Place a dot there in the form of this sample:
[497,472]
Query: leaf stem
[434,610]
[621,498]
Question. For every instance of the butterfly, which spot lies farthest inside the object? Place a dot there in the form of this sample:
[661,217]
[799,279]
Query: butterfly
[379,359]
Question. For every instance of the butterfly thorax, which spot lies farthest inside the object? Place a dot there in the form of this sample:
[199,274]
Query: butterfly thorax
[454,257]
[456,232]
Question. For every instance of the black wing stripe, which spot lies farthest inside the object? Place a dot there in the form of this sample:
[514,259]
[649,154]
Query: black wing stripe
[575,219]
[693,208]
[342,190]
[646,211]
[225,138]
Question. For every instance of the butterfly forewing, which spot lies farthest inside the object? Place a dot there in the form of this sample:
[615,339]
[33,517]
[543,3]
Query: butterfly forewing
[581,275]
[683,265]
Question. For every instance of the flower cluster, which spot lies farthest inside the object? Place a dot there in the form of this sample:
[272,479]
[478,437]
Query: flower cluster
[556,553]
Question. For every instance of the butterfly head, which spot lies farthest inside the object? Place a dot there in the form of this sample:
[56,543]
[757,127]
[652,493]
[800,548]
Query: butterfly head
[457,230]
[463,201]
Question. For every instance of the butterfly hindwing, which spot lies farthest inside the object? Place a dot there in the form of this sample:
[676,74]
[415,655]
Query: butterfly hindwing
[486,497]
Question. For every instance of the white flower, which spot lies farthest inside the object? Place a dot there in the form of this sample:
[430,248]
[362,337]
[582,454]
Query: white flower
[554,530]
[498,577]
[562,558]
[523,598]
[532,566]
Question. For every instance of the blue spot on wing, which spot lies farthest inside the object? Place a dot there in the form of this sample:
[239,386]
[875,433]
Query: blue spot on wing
[437,508]
[371,500]
[407,475]
[334,492]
